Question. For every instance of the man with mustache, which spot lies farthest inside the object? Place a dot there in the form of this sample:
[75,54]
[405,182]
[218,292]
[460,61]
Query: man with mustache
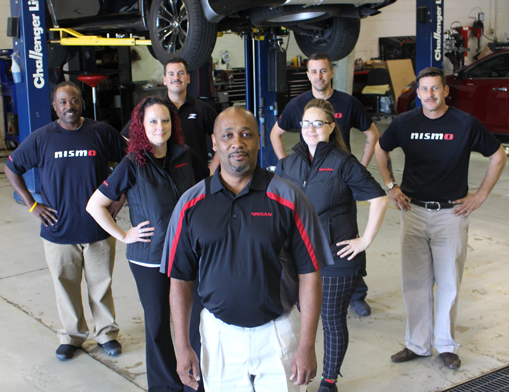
[72,155]
[196,117]
[256,245]
[349,113]
[435,203]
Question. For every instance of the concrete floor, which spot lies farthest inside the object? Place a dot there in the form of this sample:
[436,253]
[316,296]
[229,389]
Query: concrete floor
[29,318]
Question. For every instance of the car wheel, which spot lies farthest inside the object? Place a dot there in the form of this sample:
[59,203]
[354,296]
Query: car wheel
[336,37]
[179,28]
[289,15]
[58,55]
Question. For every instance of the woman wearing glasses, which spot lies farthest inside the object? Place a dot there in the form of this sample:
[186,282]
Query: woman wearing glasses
[333,179]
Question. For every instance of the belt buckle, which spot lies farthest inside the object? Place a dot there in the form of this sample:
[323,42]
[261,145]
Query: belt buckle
[437,203]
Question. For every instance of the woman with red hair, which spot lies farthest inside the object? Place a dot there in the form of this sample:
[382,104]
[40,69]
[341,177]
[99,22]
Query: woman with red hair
[156,171]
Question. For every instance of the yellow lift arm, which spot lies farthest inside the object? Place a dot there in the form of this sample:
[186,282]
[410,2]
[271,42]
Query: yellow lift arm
[70,37]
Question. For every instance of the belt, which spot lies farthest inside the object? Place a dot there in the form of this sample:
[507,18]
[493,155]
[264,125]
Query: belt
[432,205]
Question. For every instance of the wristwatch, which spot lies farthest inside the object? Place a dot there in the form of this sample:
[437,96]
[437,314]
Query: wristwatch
[390,186]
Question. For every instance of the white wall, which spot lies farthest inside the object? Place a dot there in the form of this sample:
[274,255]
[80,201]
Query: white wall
[147,68]
[5,11]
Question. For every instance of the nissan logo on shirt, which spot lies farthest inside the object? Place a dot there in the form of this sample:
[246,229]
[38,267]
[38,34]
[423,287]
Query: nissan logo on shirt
[192,116]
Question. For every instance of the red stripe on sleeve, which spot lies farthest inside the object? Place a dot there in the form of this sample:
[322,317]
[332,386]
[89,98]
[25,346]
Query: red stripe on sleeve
[300,226]
[189,204]
[105,183]
[10,158]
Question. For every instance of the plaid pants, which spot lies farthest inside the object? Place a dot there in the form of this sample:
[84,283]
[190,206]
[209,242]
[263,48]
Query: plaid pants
[337,293]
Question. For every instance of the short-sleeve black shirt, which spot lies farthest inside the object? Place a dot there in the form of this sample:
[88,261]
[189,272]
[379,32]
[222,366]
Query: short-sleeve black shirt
[246,250]
[124,177]
[348,111]
[437,152]
[71,164]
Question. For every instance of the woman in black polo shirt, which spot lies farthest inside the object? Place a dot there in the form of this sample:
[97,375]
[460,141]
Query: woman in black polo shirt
[157,170]
[333,179]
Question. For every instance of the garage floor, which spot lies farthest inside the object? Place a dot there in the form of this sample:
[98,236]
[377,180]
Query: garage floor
[29,319]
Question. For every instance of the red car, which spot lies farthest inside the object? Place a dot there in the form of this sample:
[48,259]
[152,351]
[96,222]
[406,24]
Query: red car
[481,89]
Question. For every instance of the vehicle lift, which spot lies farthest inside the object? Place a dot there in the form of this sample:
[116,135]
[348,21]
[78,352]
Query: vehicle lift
[265,65]
[429,36]
[27,27]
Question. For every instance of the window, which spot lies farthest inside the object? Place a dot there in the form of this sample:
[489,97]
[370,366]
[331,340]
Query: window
[494,67]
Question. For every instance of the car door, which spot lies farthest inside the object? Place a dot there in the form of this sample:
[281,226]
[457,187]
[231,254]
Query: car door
[483,91]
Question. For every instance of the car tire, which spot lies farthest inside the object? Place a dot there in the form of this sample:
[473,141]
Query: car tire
[58,55]
[199,34]
[290,15]
[337,40]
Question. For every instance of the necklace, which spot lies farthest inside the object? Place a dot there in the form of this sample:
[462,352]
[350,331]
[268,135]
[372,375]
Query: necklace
[162,160]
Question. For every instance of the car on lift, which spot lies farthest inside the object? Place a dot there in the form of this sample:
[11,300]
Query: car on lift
[188,28]
[481,89]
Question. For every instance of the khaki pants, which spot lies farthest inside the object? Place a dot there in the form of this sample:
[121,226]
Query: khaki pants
[67,264]
[433,250]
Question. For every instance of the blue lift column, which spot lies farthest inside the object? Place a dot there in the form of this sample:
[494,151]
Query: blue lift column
[265,61]
[429,36]
[32,93]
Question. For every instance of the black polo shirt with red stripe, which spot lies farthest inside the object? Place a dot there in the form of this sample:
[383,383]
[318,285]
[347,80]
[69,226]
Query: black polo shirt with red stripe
[246,250]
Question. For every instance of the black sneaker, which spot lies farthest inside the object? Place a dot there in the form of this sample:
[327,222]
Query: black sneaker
[112,347]
[333,388]
[65,351]
[361,308]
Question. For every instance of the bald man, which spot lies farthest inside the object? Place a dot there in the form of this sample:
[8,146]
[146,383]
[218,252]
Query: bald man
[257,246]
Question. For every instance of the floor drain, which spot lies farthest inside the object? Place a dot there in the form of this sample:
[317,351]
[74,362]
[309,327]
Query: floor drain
[497,381]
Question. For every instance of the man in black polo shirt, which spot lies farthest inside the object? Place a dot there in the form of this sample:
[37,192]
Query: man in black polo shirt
[437,141]
[256,245]
[349,114]
[196,117]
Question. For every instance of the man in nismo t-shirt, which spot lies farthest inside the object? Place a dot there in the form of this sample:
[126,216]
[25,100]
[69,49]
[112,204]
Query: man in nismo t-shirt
[435,203]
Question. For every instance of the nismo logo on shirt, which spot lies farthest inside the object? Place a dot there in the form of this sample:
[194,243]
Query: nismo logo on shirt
[75,153]
[431,136]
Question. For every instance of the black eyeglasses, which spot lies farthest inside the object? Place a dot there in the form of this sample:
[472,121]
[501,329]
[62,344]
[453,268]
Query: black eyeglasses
[317,124]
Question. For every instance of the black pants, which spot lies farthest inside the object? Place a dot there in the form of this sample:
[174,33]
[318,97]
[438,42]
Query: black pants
[336,296]
[154,292]
[360,292]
